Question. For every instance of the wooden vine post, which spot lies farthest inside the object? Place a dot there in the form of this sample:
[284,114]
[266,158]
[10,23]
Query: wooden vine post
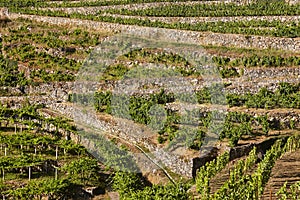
[3,174]
[257,189]
[29,173]
[55,173]
[56,153]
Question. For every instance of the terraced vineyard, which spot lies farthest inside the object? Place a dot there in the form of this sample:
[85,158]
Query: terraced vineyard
[117,99]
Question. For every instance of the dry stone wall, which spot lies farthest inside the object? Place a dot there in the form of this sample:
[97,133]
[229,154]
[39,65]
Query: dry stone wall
[134,133]
[59,91]
[252,80]
[134,6]
[4,12]
[292,2]
[281,117]
[272,72]
[253,86]
[139,135]
[202,38]
[195,20]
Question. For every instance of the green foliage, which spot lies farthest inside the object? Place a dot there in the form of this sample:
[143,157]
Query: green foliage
[215,10]
[45,76]
[292,144]
[207,172]
[36,46]
[293,192]
[160,139]
[138,108]
[167,58]
[130,186]
[249,186]
[54,189]
[103,101]
[82,171]
[204,95]
[157,192]
[239,124]
[211,94]
[227,67]
[189,137]
[47,3]
[111,2]
[18,3]
[10,74]
[108,153]
[26,53]
[126,183]
[26,160]
[114,72]
[70,147]
[286,96]
[235,126]
[235,132]
[36,150]
[263,61]
[28,113]
[49,38]
[229,72]
[239,170]
[279,29]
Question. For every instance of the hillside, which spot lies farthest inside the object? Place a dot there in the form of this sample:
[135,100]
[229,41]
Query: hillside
[118,99]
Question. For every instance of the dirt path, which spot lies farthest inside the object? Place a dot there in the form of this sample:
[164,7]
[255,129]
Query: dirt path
[223,176]
[286,169]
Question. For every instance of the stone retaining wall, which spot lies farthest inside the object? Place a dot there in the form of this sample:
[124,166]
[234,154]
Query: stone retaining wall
[140,135]
[271,72]
[134,133]
[251,85]
[133,6]
[201,38]
[4,12]
[195,20]
[252,81]
[292,2]
[280,117]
